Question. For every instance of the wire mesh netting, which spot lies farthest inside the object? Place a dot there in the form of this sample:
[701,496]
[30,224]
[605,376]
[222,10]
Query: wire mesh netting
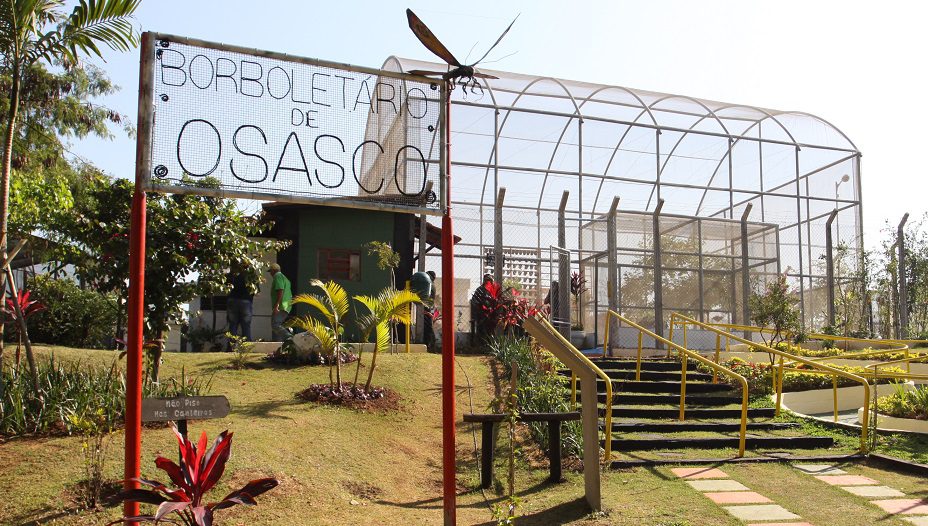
[266,126]
[709,163]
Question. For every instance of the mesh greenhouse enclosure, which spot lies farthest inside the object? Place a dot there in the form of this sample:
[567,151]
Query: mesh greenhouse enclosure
[743,193]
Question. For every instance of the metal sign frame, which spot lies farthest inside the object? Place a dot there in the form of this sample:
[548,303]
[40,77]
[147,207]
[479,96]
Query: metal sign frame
[137,251]
[147,118]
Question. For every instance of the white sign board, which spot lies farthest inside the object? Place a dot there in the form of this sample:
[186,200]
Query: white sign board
[245,123]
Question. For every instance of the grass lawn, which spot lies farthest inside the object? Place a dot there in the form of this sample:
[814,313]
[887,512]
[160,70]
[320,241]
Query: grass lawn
[340,466]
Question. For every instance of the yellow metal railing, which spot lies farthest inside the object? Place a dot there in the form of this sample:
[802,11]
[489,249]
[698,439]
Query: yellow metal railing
[599,372]
[779,371]
[685,354]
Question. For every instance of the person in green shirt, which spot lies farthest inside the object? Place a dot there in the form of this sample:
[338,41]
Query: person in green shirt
[281,297]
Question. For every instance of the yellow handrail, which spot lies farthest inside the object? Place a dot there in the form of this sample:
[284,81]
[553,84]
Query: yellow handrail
[676,318]
[599,372]
[684,354]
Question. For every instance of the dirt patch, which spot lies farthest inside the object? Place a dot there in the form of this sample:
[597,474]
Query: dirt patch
[377,400]
[75,495]
[363,490]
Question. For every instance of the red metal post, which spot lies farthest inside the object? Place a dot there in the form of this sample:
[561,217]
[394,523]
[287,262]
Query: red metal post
[136,300]
[449,467]
[134,347]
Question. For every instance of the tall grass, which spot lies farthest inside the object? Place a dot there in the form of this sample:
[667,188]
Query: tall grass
[70,392]
[541,389]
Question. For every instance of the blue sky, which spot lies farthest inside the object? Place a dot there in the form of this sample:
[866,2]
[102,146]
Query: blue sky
[859,65]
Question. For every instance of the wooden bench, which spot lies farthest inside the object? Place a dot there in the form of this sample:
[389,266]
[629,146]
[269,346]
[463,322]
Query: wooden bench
[488,423]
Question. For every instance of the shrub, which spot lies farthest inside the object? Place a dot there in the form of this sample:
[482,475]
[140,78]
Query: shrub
[74,317]
[240,349]
[760,377]
[72,393]
[199,471]
[905,404]
[540,388]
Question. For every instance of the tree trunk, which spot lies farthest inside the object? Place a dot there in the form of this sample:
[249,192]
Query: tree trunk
[5,169]
[156,351]
[370,373]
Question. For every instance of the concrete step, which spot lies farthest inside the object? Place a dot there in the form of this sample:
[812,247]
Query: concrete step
[646,365]
[670,387]
[644,444]
[656,414]
[682,427]
[665,399]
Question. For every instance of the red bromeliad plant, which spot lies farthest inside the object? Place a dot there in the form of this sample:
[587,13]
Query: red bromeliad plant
[502,308]
[200,469]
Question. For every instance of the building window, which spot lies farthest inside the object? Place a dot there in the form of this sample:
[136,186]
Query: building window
[339,264]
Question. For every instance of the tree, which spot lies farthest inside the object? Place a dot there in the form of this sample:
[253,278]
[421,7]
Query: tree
[192,241]
[776,310]
[36,31]
[390,306]
[333,305]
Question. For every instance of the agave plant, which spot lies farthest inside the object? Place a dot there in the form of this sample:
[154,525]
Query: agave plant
[333,305]
[390,305]
[200,469]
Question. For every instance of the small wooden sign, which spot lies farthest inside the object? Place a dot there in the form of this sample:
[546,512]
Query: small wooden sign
[184,408]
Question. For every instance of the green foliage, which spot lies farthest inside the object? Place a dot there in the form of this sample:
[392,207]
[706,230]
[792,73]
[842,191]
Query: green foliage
[73,317]
[505,513]
[905,404]
[95,431]
[332,305]
[776,309]
[241,347]
[387,258]
[541,388]
[760,377]
[389,306]
[187,236]
[73,394]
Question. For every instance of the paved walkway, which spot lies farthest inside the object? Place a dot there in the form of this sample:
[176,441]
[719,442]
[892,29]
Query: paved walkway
[890,500]
[737,499]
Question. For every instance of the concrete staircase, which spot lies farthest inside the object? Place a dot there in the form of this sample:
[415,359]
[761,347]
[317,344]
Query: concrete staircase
[646,413]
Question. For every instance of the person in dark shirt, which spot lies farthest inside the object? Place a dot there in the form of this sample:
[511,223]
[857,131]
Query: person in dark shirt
[239,305]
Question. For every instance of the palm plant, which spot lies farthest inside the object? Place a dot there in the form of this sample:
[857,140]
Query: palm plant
[333,305]
[390,306]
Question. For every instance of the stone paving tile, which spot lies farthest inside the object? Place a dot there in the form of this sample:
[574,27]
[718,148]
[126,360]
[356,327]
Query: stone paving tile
[761,512]
[903,506]
[847,480]
[717,485]
[917,521]
[820,469]
[737,497]
[699,473]
[873,491]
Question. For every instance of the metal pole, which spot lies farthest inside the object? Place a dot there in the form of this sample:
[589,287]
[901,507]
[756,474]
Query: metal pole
[658,275]
[563,269]
[498,258]
[903,286]
[613,267]
[745,271]
[136,300]
[830,268]
[802,287]
[449,480]
[701,274]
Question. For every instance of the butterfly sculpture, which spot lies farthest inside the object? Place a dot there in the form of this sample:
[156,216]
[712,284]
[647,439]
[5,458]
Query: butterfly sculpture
[459,74]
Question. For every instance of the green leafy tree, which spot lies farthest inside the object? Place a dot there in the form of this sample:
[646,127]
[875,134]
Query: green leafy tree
[390,306]
[192,241]
[40,31]
[332,304]
[776,310]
